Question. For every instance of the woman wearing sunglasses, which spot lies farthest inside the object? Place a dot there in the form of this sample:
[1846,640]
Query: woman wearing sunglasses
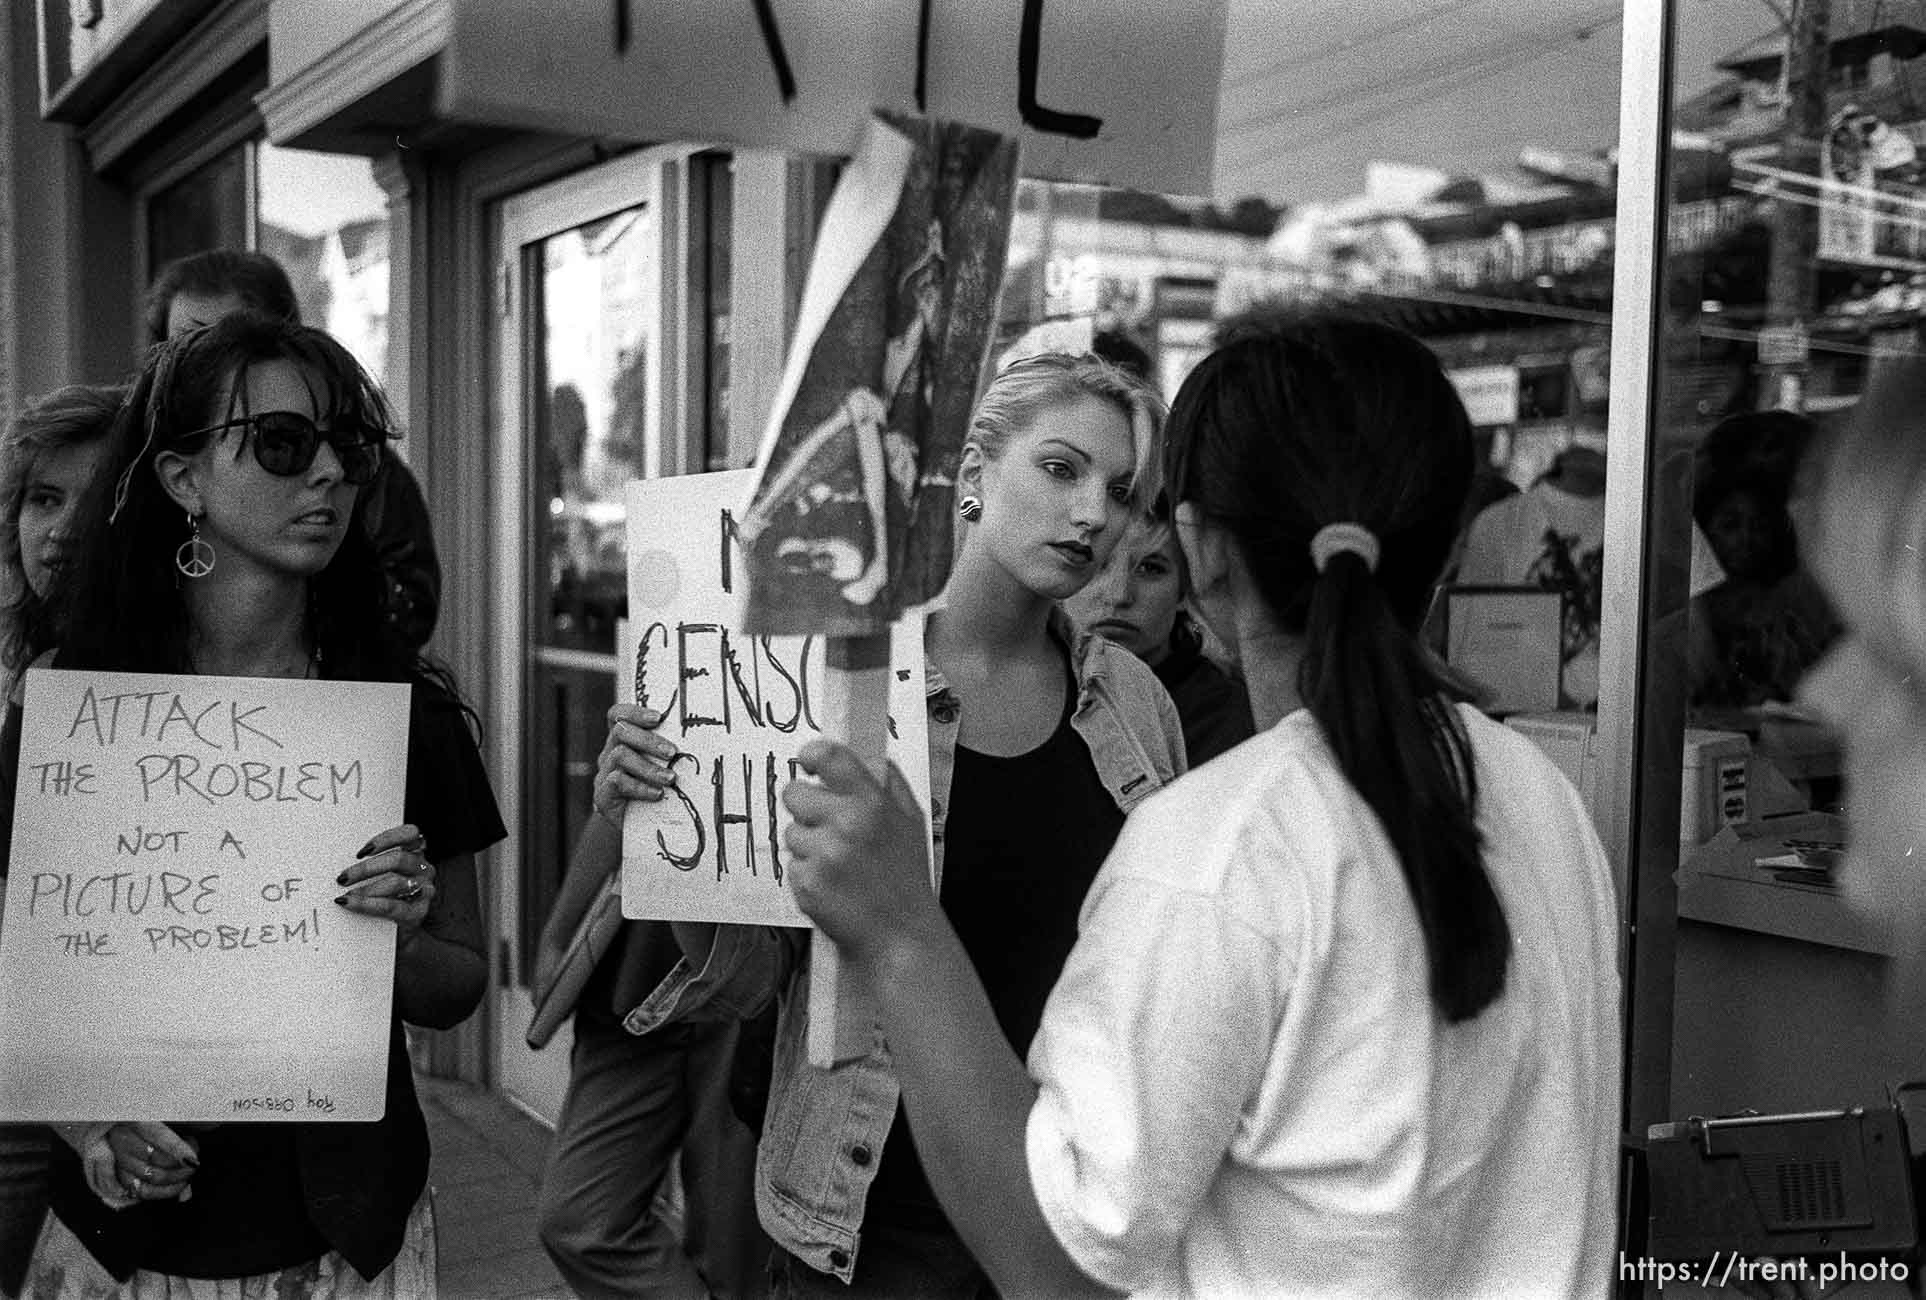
[225,540]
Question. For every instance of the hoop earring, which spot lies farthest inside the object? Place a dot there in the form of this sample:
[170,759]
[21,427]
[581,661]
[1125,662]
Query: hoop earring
[971,508]
[194,557]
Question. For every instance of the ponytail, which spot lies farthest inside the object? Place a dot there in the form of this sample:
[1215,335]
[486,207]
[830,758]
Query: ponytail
[1387,716]
[1336,453]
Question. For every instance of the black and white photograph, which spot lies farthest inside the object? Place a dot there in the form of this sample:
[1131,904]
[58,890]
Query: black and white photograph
[954,649]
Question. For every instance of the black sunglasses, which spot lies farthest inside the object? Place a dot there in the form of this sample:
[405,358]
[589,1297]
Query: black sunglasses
[286,443]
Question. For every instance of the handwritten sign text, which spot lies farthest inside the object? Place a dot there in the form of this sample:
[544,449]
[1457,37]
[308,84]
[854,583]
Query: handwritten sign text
[170,947]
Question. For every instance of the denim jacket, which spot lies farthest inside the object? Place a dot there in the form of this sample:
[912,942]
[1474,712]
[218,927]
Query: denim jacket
[825,1128]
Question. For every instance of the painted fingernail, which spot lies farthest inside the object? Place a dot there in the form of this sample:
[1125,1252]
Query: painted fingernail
[366,849]
[341,879]
[342,901]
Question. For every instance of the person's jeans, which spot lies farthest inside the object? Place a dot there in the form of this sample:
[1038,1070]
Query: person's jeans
[25,1161]
[893,1261]
[632,1104]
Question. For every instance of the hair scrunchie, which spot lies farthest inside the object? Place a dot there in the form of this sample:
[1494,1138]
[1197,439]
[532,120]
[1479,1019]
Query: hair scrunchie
[1335,539]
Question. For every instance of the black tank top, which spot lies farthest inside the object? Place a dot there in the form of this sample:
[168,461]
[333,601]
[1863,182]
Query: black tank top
[1022,844]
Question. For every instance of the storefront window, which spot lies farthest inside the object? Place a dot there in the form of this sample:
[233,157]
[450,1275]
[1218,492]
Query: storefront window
[323,218]
[208,208]
[710,179]
[594,323]
[593,309]
[1796,172]
[1413,171]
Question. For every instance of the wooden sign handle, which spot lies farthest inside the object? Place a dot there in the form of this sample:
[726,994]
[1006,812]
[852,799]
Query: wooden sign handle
[856,702]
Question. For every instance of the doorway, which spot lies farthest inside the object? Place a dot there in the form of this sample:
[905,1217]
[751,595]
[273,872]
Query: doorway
[611,296]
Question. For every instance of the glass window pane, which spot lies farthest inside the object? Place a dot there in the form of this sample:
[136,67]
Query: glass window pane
[1447,169]
[593,317]
[326,221]
[710,178]
[595,326]
[206,209]
[1797,271]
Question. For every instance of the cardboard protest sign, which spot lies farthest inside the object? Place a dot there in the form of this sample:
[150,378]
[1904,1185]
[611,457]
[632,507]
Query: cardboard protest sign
[1115,92]
[170,948]
[853,520]
[739,706]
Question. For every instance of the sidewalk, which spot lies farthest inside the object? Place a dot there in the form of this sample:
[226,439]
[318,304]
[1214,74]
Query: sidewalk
[486,1169]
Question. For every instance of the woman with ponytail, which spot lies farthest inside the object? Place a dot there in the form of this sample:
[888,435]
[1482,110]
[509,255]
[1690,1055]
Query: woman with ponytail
[1342,1016]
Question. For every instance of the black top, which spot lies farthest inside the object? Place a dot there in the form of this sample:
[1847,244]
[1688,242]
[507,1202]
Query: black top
[1213,706]
[269,1195]
[1022,844]
[396,517]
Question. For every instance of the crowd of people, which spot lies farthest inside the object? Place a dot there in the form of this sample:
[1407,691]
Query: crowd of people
[1254,947]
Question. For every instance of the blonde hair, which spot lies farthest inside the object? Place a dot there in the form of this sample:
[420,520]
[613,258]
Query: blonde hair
[1024,389]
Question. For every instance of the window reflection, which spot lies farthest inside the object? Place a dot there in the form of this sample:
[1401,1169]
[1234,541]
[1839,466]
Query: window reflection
[1803,129]
[325,219]
[596,313]
[321,216]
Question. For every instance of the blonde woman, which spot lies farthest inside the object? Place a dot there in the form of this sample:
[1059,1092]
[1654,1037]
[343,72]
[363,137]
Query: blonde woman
[1041,739]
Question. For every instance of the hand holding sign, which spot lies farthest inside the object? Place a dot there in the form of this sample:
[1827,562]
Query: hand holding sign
[391,877]
[637,762]
[856,849]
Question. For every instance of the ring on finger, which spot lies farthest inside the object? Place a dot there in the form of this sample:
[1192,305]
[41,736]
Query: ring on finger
[411,893]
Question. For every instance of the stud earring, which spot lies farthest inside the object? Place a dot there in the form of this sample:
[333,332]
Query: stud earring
[971,508]
[195,556]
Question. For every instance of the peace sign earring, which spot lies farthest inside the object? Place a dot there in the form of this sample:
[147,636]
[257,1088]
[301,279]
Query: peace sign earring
[195,557]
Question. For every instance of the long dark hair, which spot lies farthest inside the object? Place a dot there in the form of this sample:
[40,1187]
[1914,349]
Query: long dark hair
[1300,420]
[127,611]
[74,416]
